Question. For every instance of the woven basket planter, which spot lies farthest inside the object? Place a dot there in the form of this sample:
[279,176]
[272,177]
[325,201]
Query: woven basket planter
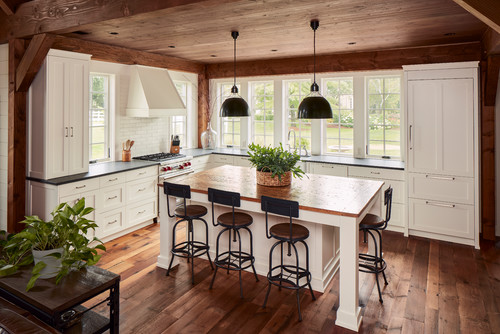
[266,179]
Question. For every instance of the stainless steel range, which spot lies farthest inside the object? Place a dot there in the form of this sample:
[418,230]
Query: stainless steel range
[171,164]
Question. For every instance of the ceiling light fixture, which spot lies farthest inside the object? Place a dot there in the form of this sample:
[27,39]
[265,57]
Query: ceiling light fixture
[314,105]
[234,105]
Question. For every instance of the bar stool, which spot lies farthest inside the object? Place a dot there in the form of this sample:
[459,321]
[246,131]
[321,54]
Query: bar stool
[190,248]
[232,222]
[284,275]
[370,263]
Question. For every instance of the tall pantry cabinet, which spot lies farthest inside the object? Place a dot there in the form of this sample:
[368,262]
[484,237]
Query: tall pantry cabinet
[443,151]
[58,116]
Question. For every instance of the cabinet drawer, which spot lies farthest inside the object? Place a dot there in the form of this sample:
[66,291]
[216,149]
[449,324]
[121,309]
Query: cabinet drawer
[203,159]
[442,188]
[242,161]
[141,212]
[142,189]
[441,217]
[111,180]
[398,188]
[377,173]
[78,187]
[142,173]
[111,197]
[110,222]
[327,169]
[222,159]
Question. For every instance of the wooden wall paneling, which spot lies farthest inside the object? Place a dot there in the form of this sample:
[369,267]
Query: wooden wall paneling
[359,61]
[487,128]
[41,16]
[115,54]
[488,11]
[203,102]
[16,142]
[491,84]
[32,60]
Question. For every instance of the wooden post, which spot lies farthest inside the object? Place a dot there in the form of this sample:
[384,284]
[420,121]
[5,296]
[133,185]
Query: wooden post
[203,102]
[16,142]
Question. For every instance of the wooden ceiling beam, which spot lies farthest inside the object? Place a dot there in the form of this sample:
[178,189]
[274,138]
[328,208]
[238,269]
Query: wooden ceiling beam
[6,7]
[32,60]
[491,80]
[359,61]
[43,16]
[115,54]
[488,11]
[490,42]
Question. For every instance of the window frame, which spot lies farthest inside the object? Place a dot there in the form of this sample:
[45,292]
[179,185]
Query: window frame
[252,109]
[181,119]
[286,112]
[108,111]
[220,99]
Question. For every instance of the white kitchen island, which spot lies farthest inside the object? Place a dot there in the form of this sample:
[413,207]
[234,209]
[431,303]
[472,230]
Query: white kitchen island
[330,207]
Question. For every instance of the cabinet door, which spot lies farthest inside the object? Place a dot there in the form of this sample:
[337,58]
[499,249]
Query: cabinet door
[78,123]
[441,125]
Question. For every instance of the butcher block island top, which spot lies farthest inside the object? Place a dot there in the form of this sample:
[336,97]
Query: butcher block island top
[321,193]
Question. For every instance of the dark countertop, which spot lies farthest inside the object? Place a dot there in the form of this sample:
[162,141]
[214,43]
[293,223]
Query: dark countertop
[98,169]
[330,159]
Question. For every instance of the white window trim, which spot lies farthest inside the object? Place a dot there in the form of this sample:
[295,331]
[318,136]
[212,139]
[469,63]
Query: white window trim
[252,107]
[184,142]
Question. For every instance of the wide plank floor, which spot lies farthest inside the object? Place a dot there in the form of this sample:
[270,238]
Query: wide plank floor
[434,287]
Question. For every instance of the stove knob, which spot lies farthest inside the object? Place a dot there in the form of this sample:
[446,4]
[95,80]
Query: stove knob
[164,169]
[181,167]
[188,163]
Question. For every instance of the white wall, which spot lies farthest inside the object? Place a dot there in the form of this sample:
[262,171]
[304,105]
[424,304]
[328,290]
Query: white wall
[4,98]
[151,135]
[497,159]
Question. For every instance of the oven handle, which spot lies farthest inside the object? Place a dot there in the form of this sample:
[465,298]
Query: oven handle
[175,175]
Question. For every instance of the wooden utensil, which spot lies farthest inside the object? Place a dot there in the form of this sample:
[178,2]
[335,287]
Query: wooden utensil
[131,144]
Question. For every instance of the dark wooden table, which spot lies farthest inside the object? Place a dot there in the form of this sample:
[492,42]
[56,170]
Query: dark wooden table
[49,302]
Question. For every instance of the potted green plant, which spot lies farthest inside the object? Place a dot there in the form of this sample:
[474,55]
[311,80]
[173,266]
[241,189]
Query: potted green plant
[274,165]
[62,240]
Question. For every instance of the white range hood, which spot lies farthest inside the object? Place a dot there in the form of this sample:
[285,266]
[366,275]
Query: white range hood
[152,93]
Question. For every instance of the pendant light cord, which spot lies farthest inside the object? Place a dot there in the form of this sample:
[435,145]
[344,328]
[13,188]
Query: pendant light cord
[314,66]
[234,62]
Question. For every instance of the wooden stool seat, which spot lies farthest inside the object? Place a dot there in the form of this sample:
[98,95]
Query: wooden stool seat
[371,221]
[241,219]
[282,232]
[192,211]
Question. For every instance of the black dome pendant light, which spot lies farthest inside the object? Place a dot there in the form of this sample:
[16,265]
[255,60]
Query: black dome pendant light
[234,105]
[314,105]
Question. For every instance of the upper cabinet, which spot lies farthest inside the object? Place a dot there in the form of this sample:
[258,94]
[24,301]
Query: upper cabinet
[59,117]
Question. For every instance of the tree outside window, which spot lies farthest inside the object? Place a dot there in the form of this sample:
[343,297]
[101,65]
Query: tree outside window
[230,129]
[99,117]
[295,92]
[178,123]
[262,97]
[384,116]
[340,128]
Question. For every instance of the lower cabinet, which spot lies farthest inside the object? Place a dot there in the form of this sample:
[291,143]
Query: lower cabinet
[122,201]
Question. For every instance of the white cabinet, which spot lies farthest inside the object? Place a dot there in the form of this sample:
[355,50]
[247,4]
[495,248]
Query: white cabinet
[443,151]
[59,116]
[327,169]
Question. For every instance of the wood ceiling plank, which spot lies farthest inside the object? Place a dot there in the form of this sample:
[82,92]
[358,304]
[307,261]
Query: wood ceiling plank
[7,7]
[488,11]
[32,60]
[42,16]
[126,56]
[359,61]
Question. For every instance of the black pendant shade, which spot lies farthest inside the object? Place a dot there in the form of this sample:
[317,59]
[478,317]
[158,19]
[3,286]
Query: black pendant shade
[234,105]
[314,105]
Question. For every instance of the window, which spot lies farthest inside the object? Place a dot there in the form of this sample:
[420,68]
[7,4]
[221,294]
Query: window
[178,124]
[230,126]
[99,115]
[262,104]
[295,93]
[340,128]
[384,111]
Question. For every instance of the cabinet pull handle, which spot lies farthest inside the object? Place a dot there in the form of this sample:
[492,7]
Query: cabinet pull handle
[112,197]
[80,187]
[111,180]
[142,189]
[411,146]
[376,173]
[141,212]
[66,132]
[440,204]
[112,222]
[71,131]
[447,178]
[142,173]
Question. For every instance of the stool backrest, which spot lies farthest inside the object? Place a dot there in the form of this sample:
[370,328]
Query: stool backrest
[388,204]
[176,190]
[223,197]
[280,207]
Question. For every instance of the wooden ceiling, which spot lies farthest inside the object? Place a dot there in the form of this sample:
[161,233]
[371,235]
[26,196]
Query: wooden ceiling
[201,32]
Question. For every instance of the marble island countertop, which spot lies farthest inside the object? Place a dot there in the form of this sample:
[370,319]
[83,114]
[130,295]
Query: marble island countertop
[331,159]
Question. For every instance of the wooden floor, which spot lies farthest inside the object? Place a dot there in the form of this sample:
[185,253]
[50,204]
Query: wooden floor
[434,287]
